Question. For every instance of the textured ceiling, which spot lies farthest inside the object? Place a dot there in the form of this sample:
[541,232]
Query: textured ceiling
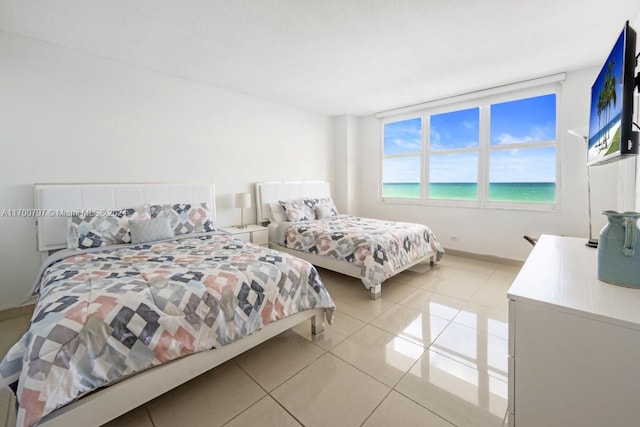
[334,56]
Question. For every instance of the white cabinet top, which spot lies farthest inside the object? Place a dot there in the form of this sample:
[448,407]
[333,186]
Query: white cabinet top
[561,272]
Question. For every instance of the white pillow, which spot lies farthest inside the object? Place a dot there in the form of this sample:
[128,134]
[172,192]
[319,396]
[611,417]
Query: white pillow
[150,230]
[323,212]
[276,213]
[325,208]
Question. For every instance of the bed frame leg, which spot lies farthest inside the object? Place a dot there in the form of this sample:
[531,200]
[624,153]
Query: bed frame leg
[376,291]
[432,261]
[317,324]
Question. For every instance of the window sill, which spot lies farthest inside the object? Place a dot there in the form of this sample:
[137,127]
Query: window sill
[510,206]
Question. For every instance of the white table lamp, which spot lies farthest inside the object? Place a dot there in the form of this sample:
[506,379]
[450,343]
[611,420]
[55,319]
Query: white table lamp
[243,201]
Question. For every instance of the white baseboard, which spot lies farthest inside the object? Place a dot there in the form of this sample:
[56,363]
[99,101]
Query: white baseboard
[488,258]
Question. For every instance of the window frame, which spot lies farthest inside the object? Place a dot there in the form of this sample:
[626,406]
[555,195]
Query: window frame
[483,102]
[421,154]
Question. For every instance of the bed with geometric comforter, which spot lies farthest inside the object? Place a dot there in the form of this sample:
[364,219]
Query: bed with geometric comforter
[105,314]
[380,248]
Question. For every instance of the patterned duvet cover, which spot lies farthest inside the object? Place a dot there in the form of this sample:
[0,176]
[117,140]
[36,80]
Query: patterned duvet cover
[380,248]
[103,315]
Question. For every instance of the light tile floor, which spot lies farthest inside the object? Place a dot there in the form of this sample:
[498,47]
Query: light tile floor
[431,352]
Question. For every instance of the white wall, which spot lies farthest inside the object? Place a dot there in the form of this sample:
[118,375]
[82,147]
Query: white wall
[68,117]
[345,179]
[499,232]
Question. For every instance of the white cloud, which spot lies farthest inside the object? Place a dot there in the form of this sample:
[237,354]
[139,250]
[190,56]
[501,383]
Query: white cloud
[507,138]
[535,133]
[468,124]
[407,144]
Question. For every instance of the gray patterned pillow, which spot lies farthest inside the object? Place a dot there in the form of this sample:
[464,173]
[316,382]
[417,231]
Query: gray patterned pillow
[299,209]
[92,231]
[150,230]
[186,218]
[276,213]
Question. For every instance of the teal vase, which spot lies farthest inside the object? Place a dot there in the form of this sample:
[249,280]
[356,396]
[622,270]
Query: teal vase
[619,249]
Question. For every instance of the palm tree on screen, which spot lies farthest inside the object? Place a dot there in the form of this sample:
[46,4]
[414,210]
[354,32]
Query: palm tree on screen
[600,111]
[610,93]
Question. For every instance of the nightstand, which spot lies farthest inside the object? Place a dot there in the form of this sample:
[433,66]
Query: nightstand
[252,233]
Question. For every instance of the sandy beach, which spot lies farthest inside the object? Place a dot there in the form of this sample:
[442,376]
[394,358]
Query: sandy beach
[597,152]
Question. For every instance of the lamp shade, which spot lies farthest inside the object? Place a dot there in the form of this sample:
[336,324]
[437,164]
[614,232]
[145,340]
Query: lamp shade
[243,200]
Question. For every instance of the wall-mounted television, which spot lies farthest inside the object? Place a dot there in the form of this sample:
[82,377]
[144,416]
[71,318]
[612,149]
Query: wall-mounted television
[611,134]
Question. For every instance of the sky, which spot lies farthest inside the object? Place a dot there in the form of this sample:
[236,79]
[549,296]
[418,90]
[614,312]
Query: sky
[513,122]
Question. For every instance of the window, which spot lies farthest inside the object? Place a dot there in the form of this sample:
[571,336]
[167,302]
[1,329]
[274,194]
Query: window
[522,154]
[500,152]
[454,138]
[402,159]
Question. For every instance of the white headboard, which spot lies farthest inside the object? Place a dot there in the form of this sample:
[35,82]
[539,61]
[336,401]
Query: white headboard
[54,199]
[268,192]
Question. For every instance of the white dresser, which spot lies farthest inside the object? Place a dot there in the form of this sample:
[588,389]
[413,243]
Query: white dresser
[574,342]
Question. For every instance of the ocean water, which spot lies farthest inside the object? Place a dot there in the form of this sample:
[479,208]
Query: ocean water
[529,192]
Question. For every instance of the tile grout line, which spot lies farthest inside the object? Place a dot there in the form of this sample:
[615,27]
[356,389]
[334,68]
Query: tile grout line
[351,334]
[428,349]
[325,352]
[243,411]
[286,410]
[146,408]
[393,388]
[376,408]
[487,373]
[424,407]
[366,373]
[462,325]
[256,382]
[268,393]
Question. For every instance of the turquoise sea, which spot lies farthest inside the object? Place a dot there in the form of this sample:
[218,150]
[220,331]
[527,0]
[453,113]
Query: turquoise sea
[529,192]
